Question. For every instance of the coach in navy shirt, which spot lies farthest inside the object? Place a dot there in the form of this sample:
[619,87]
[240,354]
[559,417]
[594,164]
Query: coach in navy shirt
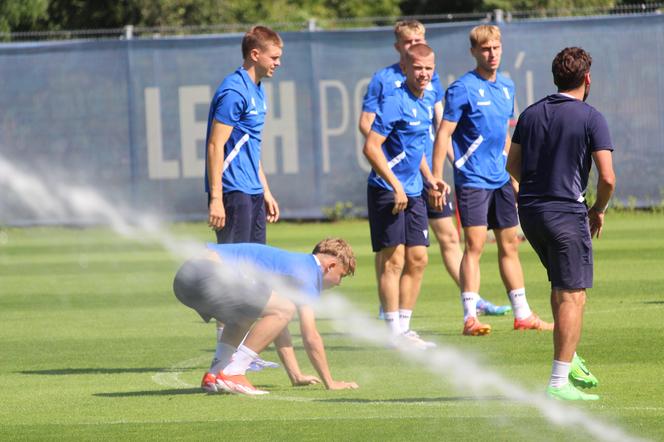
[553,146]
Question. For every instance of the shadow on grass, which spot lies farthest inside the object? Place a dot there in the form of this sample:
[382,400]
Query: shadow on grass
[415,400]
[169,392]
[653,302]
[78,371]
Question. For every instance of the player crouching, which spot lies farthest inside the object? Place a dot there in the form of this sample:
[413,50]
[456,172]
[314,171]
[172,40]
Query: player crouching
[237,284]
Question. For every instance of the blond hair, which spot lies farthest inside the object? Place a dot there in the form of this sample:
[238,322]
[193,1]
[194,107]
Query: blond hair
[405,27]
[483,33]
[339,249]
[259,37]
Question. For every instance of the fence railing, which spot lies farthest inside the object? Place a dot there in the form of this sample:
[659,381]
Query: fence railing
[314,24]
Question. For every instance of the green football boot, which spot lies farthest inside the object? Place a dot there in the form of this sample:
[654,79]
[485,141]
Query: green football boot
[580,376]
[569,393]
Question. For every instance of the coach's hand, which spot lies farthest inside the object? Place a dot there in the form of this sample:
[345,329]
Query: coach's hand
[217,214]
[438,191]
[400,200]
[271,208]
[342,385]
[596,221]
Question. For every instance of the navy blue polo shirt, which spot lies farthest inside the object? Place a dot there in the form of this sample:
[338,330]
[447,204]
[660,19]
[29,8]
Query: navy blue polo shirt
[558,135]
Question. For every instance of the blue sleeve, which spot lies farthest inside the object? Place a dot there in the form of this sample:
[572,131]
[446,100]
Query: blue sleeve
[372,97]
[437,87]
[229,107]
[387,116]
[598,131]
[456,102]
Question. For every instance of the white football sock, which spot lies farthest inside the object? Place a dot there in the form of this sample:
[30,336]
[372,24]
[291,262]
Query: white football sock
[404,319]
[240,361]
[222,356]
[392,320]
[519,303]
[559,372]
[469,301]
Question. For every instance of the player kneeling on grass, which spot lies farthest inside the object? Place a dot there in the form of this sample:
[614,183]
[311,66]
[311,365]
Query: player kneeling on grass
[239,284]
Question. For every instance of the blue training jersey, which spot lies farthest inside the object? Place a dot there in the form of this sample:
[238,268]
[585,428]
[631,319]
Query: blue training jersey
[558,135]
[298,270]
[385,82]
[482,110]
[239,102]
[405,120]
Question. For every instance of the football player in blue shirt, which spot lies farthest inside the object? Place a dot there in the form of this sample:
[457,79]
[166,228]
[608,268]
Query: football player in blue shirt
[239,199]
[478,107]
[238,192]
[554,143]
[383,83]
[240,283]
[395,148]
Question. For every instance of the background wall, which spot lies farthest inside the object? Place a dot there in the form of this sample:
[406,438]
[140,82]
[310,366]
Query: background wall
[127,118]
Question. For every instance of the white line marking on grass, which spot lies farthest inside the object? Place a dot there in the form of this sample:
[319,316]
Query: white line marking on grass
[170,377]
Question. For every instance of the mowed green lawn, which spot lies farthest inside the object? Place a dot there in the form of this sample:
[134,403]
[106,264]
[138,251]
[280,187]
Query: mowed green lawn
[94,346]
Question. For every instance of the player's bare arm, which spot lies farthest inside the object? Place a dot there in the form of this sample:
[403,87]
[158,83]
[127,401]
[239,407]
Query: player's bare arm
[442,146]
[437,190]
[313,344]
[219,135]
[271,206]
[606,183]
[514,162]
[374,154]
[366,120]
[286,353]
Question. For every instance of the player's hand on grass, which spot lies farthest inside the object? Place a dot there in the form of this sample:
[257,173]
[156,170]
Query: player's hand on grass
[217,214]
[271,208]
[303,379]
[400,200]
[596,221]
[342,385]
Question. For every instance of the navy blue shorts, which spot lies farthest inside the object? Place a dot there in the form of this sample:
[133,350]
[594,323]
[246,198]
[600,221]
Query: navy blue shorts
[245,219]
[494,208]
[448,208]
[562,242]
[409,227]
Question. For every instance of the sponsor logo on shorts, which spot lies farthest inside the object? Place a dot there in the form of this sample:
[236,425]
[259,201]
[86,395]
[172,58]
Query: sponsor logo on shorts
[426,233]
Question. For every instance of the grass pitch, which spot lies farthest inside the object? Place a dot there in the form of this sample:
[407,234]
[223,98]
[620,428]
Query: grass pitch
[94,346]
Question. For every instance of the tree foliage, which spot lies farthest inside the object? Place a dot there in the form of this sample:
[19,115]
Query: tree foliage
[21,15]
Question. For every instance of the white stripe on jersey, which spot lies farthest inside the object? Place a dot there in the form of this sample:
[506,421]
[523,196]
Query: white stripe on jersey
[473,147]
[396,160]
[236,150]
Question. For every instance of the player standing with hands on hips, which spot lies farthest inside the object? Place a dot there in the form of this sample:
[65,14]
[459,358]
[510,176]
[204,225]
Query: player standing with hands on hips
[553,146]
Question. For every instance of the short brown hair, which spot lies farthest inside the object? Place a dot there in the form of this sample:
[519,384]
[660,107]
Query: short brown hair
[483,33]
[570,67]
[340,249]
[408,27]
[258,37]
[418,50]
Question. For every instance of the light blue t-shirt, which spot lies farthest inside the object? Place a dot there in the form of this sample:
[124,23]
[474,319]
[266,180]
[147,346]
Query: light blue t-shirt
[239,102]
[482,110]
[405,120]
[299,270]
[385,81]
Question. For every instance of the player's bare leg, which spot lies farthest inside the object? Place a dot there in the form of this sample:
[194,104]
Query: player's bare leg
[512,276]
[474,240]
[411,282]
[448,242]
[392,266]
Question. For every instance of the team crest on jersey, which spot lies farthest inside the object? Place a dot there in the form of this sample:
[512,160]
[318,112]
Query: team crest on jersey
[397,83]
[507,93]
[481,91]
